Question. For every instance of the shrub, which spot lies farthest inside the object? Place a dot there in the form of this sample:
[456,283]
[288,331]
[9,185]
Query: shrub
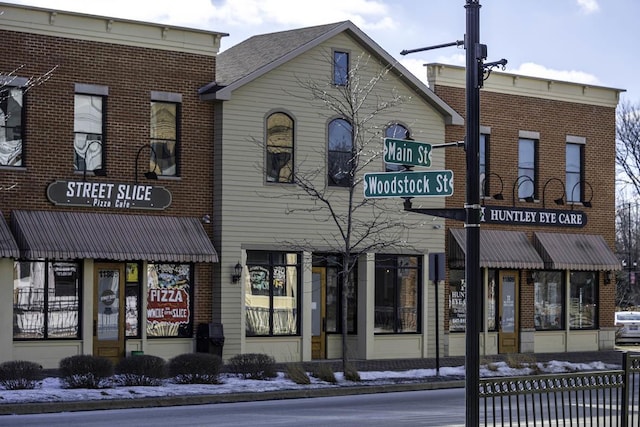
[145,370]
[351,373]
[297,374]
[20,375]
[195,368]
[325,373]
[86,371]
[256,366]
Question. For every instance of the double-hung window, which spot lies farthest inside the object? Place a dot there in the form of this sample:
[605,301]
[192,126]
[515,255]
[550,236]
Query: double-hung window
[11,116]
[341,157]
[165,133]
[574,169]
[279,148]
[398,290]
[527,165]
[89,127]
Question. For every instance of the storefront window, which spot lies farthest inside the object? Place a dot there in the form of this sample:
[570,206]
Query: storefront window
[397,294]
[548,297]
[583,303]
[457,301]
[271,294]
[169,300]
[46,297]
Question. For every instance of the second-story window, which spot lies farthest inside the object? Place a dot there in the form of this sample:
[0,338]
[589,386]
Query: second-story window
[396,131]
[88,127]
[11,126]
[485,181]
[164,137]
[526,168]
[340,68]
[340,158]
[279,148]
[574,172]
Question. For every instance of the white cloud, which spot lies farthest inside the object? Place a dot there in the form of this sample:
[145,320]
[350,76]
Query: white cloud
[536,70]
[588,6]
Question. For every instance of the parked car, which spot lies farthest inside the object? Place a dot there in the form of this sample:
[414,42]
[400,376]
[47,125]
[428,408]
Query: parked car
[628,323]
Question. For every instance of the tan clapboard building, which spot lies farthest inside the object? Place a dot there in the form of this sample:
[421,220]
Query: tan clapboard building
[547,175]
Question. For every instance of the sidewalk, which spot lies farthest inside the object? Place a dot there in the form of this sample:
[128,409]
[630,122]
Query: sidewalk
[613,357]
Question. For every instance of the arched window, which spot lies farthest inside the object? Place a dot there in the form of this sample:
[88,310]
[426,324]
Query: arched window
[396,131]
[340,153]
[279,148]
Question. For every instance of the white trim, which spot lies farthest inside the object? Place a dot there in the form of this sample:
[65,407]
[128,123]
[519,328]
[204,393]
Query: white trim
[527,134]
[572,139]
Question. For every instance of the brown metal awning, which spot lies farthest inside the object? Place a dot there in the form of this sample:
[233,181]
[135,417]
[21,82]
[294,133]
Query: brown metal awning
[8,246]
[585,252]
[77,235]
[498,249]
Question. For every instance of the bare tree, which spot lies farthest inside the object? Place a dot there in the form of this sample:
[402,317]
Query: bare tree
[627,247]
[628,143]
[360,225]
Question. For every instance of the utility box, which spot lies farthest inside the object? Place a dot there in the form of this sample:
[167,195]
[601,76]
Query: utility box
[210,338]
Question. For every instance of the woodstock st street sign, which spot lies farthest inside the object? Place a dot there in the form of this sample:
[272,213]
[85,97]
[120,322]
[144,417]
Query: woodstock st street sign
[408,184]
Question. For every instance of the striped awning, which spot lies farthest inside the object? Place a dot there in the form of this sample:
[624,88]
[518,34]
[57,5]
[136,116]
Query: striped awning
[585,252]
[78,235]
[8,246]
[498,249]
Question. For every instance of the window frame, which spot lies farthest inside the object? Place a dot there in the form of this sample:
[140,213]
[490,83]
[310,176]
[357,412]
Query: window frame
[48,291]
[570,173]
[594,305]
[154,155]
[539,313]
[267,260]
[340,70]
[384,263]
[332,181]
[6,87]
[79,160]
[290,147]
[527,171]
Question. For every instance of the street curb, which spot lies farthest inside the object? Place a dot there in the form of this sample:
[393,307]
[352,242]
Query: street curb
[152,402]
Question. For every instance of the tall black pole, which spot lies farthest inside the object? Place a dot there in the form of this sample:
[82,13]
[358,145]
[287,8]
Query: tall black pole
[472,207]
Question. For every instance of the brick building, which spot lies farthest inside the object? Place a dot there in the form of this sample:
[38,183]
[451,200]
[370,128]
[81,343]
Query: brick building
[106,260]
[547,168]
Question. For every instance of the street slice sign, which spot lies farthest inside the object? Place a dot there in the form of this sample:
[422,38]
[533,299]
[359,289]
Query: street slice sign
[408,184]
[405,152]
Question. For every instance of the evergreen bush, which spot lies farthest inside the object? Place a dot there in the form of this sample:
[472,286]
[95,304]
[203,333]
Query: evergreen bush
[141,370]
[255,366]
[20,375]
[195,368]
[86,371]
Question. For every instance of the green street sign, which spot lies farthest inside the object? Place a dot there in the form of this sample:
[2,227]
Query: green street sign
[408,184]
[405,152]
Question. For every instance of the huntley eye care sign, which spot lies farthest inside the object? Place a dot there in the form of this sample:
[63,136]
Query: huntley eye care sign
[108,195]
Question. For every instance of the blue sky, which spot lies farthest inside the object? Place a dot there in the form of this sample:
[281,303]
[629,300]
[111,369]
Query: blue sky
[586,41]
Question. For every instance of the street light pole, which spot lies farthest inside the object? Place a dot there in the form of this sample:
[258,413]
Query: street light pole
[474,58]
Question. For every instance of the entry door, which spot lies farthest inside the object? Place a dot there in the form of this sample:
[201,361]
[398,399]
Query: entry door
[508,312]
[318,313]
[108,311]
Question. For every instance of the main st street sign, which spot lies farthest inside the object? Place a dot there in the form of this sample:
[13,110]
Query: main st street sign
[406,152]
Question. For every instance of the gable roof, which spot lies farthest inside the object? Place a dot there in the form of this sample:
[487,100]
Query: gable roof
[260,54]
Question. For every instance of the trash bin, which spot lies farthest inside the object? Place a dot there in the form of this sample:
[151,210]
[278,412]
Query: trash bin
[210,338]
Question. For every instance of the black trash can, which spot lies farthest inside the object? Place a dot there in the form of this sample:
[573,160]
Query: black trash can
[210,338]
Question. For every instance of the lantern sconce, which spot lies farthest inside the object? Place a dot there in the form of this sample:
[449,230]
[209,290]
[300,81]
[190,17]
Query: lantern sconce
[237,273]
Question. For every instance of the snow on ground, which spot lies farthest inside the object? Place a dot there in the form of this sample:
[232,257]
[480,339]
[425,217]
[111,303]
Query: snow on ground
[50,390]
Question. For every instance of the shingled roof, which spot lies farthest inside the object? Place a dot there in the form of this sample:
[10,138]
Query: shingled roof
[260,54]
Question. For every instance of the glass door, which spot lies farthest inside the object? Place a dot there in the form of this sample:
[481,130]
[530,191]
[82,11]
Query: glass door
[108,311]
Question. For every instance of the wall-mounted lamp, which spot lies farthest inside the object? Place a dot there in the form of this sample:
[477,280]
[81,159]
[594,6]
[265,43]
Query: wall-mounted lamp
[582,185]
[559,200]
[206,219]
[486,184]
[237,273]
[96,171]
[150,174]
[608,277]
[516,185]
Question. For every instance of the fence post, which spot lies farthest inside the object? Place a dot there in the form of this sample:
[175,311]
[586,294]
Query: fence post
[624,405]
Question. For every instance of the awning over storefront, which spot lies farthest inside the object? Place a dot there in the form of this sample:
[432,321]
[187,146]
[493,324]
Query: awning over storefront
[8,246]
[498,249]
[77,235]
[575,252]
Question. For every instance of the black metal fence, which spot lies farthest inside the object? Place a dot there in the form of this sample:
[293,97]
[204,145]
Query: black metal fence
[599,398]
